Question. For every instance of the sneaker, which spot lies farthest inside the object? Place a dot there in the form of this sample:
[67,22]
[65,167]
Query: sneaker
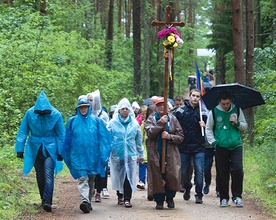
[105,193]
[238,202]
[120,201]
[90,206]
[47,207]
[98,197]
[217,192]
[141,185]
[170,203]
[198,200]
[223,203]
[186,195]
[128,204]
[84,206]
[159,205]
[206,189]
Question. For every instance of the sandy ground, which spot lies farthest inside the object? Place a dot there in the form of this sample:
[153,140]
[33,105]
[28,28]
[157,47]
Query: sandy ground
[67,201]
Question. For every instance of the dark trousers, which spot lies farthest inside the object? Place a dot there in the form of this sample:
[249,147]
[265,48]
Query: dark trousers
[229,164]
[127,191]
[209,158]
[100,182]
[44,168]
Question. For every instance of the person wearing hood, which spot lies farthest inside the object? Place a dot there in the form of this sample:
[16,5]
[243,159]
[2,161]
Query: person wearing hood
[43,126]
[86,150]
[128,149]
[95,103]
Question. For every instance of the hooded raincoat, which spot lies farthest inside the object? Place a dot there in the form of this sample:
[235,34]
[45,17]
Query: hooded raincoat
[97,107]
[87,144]
[43,126]
[128,147]
[156,179]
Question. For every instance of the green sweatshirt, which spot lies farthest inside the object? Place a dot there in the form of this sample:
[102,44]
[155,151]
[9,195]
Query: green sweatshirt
[226,135]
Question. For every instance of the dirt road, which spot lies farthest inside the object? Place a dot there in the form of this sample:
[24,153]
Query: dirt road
[67,200]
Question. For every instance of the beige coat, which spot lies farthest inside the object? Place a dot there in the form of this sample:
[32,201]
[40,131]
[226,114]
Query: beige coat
[155,181]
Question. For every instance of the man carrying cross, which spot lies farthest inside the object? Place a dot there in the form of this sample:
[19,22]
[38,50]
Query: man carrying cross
[164,133]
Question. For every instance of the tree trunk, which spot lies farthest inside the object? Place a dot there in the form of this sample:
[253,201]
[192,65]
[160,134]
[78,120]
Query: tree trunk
[250,64]
[146,13]
[109,40]
[137,45]
[128,23]
[258,38]
[238,41]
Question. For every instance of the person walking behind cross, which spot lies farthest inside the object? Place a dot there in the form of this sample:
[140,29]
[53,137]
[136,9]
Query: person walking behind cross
[100,182]
[128,150]
[223,128]
[86,150]
[43,126]
[163,186]
[193,146]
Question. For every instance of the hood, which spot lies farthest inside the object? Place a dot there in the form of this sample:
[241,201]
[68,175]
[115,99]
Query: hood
[42,105]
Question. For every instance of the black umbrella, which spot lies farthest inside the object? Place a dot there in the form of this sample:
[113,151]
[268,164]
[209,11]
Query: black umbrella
[243,96]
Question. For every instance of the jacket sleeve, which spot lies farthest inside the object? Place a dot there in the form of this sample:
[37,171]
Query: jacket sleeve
[59,133]
[242,124]
[139,144]
[153,128]
[209,129]
[177,136]
[22,134]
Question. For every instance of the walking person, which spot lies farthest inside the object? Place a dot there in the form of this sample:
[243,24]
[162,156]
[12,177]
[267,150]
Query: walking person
[100,182]
[143,165]
[223,128]
[128,149]
[193,147]
[86,150]
[43,126]
[163,185]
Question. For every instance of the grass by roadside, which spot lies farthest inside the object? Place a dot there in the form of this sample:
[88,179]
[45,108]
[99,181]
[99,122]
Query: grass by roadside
[255,187]
[19,195]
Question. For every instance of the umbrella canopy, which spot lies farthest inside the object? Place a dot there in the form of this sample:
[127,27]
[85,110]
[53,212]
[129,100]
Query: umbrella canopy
[148,101]
[243,96]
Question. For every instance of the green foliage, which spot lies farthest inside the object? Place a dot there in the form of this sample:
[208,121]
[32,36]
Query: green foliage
[16,192]
[260,160]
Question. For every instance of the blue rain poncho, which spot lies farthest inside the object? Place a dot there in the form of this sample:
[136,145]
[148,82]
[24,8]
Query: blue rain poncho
[128,147]
[43,124]
[87,144]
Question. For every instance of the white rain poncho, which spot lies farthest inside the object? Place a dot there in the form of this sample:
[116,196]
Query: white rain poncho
[87,144]
[128,147]
[97,107]
[44,125]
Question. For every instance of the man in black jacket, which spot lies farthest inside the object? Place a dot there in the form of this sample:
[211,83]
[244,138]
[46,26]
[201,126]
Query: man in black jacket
[193,146]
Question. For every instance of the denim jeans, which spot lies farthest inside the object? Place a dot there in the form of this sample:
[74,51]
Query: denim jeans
[209,158]
[142,172]
[44,168]
[198,161]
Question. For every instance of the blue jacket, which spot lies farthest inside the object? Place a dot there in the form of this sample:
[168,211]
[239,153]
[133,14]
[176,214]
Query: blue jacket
[87,145]
[46,130]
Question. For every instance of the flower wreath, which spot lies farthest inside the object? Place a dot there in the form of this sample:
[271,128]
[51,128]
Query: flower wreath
[172,37]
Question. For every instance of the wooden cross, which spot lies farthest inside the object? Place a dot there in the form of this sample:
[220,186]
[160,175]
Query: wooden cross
[167,52]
